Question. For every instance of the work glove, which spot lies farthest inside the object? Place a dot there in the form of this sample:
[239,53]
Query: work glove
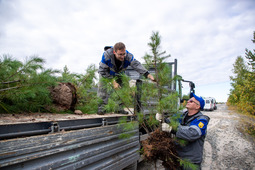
[158,117]
[166,127]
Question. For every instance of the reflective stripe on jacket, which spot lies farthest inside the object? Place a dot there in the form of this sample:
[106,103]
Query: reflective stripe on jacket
[194,132]
[108,69]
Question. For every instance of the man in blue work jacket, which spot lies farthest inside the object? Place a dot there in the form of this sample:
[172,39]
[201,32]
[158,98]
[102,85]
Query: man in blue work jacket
[115,61]
[192,128]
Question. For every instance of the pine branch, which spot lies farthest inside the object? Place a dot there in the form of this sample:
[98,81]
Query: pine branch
[34,60]
[145,128]
[27,85]
[4,107]
[10,88]
[9,82]
[122,100]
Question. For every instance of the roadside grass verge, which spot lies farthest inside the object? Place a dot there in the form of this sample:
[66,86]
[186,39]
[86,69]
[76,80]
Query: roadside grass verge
[246,123]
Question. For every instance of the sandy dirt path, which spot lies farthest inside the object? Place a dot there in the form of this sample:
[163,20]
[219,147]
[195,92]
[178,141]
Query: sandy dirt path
[225,146]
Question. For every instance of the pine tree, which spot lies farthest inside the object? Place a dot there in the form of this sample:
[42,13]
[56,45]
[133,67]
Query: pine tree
[243,83]
[121,97]
[248,98]
[87,91]
[240,69]
[24,86]
[167,100]
[85,86]
[160,145]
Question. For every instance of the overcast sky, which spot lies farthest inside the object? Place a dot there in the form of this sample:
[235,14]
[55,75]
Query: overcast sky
[205,36]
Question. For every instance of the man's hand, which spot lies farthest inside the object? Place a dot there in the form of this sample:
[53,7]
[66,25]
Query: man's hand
[158,117]
[151,77]
[115,84]
[166,127]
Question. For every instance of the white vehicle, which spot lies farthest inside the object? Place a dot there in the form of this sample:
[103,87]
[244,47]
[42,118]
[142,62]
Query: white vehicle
[209,104]
[214,103]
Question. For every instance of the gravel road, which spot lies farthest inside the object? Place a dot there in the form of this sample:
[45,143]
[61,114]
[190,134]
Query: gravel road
[225,147]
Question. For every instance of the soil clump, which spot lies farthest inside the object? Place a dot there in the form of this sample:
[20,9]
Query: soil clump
[160,146]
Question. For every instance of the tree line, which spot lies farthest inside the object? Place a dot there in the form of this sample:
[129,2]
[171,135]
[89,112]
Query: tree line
[242,93]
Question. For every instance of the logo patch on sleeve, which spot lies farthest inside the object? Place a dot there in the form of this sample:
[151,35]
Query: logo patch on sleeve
[201,125]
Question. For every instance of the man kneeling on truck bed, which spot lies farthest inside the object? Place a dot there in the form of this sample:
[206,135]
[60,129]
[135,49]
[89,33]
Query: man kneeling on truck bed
[115,61]
[192,128]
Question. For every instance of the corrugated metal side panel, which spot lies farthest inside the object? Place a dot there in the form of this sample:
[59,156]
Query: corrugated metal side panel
[94,148]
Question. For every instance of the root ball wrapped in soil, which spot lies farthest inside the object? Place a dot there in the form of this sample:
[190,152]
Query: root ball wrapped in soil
[64,96]
[160,146]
